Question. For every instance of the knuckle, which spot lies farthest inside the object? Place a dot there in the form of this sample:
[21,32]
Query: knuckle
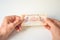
[18,18]
[6,17]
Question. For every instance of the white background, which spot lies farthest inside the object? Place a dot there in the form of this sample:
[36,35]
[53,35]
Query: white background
[17,7]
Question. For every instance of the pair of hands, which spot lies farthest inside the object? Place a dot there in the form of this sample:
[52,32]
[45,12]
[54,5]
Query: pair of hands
[11,23]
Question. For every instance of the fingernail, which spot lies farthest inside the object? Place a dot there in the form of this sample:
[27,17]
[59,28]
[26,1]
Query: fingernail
[42,19]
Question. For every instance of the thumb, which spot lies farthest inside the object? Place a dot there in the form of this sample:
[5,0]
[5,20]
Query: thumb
[5,21]
[18,20]
[47,22]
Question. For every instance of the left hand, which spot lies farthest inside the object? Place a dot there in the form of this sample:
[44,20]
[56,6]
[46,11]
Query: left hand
[9,24]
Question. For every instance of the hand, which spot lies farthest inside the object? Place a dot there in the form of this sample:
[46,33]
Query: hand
[9,24]
[54,26]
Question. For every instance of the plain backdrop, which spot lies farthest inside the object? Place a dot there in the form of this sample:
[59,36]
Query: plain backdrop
[51,8]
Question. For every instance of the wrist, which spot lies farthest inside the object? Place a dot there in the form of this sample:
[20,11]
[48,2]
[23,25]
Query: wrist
[2,35]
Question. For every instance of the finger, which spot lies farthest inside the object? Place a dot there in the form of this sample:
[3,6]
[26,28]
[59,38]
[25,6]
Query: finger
[18,20]
[57,23]
[48,21]
[12,18]
[9,19]
[43,20]
[18,28]
[47,27]
[52,24]
[5,21]
[15,24]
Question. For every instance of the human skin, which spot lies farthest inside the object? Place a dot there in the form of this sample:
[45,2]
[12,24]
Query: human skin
[53,26]
[10,23]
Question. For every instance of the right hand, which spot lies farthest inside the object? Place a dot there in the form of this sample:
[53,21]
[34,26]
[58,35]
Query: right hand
[54,26]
